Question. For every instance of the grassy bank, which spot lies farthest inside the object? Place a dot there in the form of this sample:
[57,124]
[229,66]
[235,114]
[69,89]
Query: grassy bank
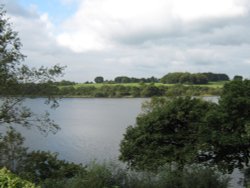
[98,85]
[134,90]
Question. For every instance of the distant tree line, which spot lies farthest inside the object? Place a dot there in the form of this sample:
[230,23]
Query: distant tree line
[126,79]
[170,78]
[215,77]
[196,78]
[237,77]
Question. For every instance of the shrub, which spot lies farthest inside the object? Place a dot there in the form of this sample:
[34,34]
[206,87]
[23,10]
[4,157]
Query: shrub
[9,180]
[113,176]
[191,177]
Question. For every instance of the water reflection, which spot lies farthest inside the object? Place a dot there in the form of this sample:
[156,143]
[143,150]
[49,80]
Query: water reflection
[90,128]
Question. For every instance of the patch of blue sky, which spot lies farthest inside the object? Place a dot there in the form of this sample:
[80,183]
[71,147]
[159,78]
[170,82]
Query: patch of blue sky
[56,9]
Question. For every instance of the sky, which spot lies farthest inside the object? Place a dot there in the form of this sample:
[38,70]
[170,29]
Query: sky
[137,38]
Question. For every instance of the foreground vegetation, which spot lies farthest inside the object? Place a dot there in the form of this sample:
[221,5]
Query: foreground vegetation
[178,143]
[107,176]
[44,169]
[9,180]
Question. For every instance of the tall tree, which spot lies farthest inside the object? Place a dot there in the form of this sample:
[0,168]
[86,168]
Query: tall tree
[12,151]
[99,79]
[238,77]
[229,127]
[12,76]
[167,132]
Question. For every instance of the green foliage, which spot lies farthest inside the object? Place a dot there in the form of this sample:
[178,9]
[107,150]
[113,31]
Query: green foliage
[125,79]
[212,77]
[40,165]
[99,79]
[184,78]
[95,176]
[45,169]
[197,78]
[227,137]
[237,77]
[35,166]
[63,83]
[13,79]
[12,151]
[192,177]
[113,176]
[9,180]
[187,130]
[135,90]
[168,132]
[10,54]
[152,90]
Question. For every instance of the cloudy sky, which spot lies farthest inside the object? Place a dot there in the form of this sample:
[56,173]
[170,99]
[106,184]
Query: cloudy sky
[139,38]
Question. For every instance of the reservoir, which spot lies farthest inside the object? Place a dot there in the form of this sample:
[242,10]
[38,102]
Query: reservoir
[91,129]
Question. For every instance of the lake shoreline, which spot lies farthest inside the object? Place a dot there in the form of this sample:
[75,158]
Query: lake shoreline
[92,97]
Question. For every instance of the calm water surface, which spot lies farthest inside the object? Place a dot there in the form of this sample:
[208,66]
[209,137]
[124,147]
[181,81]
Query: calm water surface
[90,128]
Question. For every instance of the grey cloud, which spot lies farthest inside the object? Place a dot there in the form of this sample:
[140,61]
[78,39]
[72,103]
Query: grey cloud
[14,9]
[217,45]
[218,31]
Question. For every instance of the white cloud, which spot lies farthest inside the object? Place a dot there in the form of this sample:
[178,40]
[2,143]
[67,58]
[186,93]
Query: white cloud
[137,38]
[98,22]
[198,9]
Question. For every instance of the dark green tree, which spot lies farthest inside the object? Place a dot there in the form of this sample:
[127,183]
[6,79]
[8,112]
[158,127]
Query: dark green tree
[122,79]
[40,165]
[167,132]
[172,78]
[151,90]
[199,79]
[214,77]
[237,77]
[185,78]
[99,79]
[227,136]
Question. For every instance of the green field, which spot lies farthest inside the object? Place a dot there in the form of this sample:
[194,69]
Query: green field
[214,84]
[110,90]
[98,85]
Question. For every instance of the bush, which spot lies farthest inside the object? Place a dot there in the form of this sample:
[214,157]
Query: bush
[113,176]
[192,177]
[9,180]
[41,165]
